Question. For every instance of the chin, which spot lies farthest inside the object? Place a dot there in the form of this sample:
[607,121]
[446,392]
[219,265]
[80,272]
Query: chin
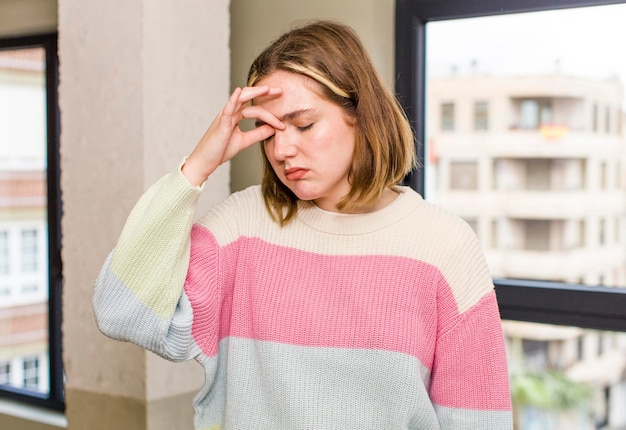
[304,195]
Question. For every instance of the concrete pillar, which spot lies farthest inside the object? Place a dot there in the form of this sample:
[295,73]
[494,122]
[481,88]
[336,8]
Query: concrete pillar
[140,82]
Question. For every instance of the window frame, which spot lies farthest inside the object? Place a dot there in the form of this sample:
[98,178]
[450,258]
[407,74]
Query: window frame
[593,307]
[480,116]
[55,399]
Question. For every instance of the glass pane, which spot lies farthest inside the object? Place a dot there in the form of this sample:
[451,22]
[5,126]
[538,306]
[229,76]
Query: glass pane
[535,163]
[565,378]
[525,138]
[23,221]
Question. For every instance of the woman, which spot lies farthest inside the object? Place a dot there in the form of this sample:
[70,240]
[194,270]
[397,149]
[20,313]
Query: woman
[329,297]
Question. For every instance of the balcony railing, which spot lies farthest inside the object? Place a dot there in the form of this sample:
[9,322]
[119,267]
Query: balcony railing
[526,144]
[526,204]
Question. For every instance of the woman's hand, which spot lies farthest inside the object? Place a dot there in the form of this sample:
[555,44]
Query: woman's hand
[224,139]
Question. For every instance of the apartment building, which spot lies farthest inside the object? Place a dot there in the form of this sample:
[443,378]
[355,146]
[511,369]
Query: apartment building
[535,165]
[23,222]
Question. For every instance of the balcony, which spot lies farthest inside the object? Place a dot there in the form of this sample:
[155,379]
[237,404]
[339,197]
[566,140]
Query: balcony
[527,144]
[563,264]
[533,204]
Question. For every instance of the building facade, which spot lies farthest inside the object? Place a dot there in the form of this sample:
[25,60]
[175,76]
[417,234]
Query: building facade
[536,166]
[23,222]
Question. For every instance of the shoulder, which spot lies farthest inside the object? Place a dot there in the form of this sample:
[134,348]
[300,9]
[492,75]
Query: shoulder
[430,219]
[240,213]
[249,198]
[447,242]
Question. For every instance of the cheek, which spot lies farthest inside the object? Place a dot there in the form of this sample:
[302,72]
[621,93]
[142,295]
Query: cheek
[268,150]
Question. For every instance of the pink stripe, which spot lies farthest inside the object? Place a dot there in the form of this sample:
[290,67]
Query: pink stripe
[399,304]
[459,377]
[204,290]
[394,309]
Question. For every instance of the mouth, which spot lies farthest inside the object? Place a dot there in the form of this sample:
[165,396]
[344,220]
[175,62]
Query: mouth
[295,173]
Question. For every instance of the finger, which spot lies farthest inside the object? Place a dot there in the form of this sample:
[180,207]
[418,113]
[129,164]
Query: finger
[249,93]
[263,116]
[258,134]
[233,105]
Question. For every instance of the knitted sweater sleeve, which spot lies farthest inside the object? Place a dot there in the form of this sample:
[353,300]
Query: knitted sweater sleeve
[469,384]
[138,295]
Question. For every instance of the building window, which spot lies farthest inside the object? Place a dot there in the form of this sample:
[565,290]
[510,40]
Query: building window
[494,235]
[538,174]
[4,252]
[536,353]
[447,116]
[473,223]
[29,289]
[481,116]
[582,229]
[30,251]
[535,113]
[5,373]
[602,236]
[543,174]
[30,254]
[529,114]
[463,175]
[604,173]
[537,235]
[30,374]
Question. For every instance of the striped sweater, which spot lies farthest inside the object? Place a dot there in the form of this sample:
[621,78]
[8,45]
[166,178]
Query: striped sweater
[385,320]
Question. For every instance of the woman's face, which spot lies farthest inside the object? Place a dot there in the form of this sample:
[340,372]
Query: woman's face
[313,154]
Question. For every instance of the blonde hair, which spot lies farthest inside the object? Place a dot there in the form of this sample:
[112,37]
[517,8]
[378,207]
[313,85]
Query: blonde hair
[331,54]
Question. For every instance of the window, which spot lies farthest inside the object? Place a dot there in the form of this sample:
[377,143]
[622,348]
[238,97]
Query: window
[561,293]
[536,351]
[30,375]
[5,373]
[602,232]
[30,263]
[29,251]
[29,288]
[473,224]
[538,174]
[481,116]
[447,117]
[4,253]
[463,175]
[535,113]
[537,235]
[556,302]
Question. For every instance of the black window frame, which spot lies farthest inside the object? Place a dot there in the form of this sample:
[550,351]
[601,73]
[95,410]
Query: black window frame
[55,399]
[593,307]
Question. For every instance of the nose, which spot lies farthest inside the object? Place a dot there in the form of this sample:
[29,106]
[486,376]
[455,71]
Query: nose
[284,145]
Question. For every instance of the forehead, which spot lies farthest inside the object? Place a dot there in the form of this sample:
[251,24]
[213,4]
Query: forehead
[299,91]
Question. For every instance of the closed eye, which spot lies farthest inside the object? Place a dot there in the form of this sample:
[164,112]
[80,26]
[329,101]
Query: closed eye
[305,128]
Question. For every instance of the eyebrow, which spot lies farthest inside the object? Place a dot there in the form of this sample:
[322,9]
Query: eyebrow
[288,116]
[295,114]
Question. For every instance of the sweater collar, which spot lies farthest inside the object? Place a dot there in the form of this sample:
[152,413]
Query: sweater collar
[353,224]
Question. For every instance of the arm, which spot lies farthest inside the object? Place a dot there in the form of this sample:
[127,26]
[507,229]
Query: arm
[469,380]
[139,293]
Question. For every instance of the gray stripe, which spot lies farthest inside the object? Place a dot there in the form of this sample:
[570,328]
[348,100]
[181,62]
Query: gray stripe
[121,316]
[472,419]
[277,386]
